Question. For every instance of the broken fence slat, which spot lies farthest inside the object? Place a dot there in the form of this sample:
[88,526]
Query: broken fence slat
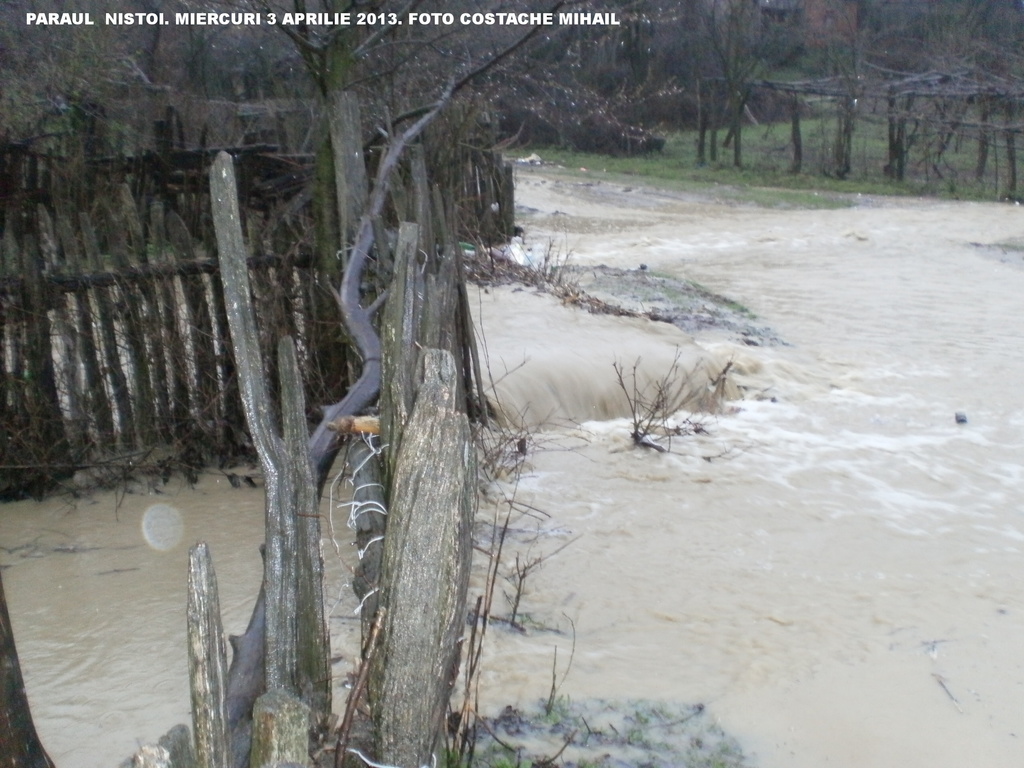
[280,732]
[207,662]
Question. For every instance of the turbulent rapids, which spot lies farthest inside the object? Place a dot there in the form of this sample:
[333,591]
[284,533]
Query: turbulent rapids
[554,365]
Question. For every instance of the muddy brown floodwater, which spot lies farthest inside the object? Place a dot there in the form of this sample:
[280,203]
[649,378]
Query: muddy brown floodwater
[832,568]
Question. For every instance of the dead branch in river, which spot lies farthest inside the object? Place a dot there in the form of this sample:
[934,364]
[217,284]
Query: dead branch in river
[651,406]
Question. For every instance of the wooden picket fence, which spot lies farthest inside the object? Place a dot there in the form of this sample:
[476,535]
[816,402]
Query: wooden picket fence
[114,345]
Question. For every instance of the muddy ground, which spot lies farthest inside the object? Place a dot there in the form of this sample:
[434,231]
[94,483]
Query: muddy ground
[685,304]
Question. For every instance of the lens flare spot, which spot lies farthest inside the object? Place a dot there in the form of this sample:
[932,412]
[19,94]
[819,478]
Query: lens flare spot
[162,527]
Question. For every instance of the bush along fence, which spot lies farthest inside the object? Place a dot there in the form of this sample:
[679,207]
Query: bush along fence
[115,354]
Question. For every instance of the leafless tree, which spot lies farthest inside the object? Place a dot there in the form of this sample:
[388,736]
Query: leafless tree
[743,43]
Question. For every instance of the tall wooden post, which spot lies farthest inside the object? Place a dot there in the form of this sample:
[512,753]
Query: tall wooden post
[795,135]
[425,570]
[296,641]
[207,661]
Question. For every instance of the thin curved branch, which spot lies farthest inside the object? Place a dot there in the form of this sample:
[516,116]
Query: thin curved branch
[487,65]
[381,32]
[358,320]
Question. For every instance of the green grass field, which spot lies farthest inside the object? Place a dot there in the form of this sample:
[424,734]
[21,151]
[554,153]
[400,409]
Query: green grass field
[767,157]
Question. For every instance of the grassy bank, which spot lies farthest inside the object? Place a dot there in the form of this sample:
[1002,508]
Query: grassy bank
[766,178]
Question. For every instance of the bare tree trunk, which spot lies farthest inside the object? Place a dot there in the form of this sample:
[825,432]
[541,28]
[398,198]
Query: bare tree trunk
[843,150]
[1011,151]
[737,132]
[984,138]
[738,97]
[349,168]
[895,145]
[19,744]
[702,124]
[797,138]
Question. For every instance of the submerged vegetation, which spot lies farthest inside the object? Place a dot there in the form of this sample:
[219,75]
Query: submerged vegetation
[599,733]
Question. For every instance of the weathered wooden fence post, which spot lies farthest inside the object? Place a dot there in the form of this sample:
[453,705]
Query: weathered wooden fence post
[349,166]
[128,248]
[399,337]
[280,732]
[96,408]
[207,662]
[425,569]
[296,642]
[120,394]
[39,420]
[369,477]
